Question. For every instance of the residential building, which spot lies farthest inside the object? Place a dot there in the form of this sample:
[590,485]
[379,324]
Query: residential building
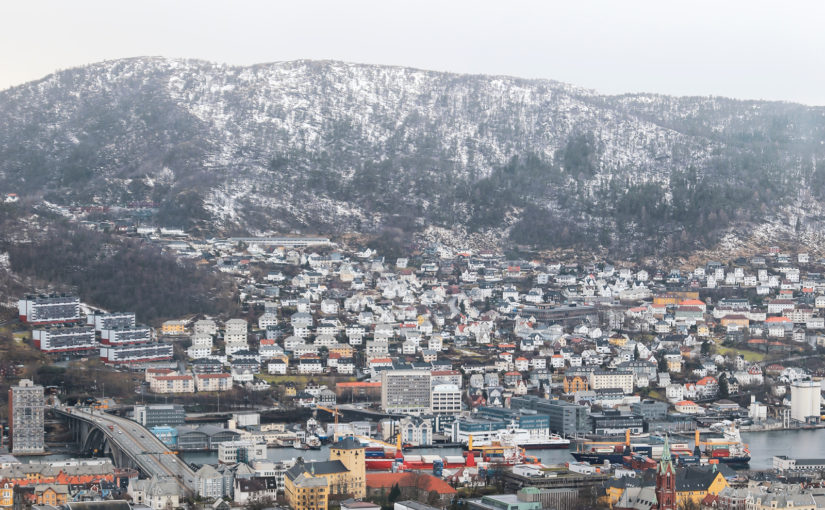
[604,379]
[445,399]
[65,339]
[213,382]
[26,407]
[52,309]
[183,383]
[173,328]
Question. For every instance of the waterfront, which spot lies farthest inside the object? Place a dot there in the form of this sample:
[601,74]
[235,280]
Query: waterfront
[763,446]
[805,444]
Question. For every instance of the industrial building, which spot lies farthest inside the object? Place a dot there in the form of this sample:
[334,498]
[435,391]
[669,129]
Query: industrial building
[155,415]
[565,418]
[805,400]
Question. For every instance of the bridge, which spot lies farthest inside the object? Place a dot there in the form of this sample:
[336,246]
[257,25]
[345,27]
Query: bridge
[129,444]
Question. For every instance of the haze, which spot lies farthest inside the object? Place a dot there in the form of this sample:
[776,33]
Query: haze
[753,50]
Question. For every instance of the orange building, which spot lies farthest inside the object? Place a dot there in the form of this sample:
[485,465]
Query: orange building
[575,383]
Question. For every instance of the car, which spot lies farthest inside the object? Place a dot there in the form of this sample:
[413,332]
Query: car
[120,432]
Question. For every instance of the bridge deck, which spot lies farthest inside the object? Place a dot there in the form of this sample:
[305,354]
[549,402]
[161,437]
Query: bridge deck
[146,450]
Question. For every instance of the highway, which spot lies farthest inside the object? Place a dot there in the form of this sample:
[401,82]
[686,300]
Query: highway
[146,449]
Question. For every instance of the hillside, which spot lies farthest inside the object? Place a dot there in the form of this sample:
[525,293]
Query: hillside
[334,147]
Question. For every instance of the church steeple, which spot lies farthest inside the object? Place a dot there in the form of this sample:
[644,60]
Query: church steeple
[666,480]
[667,459]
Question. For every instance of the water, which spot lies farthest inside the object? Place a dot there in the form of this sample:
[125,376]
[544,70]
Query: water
[796,444]
[763,446]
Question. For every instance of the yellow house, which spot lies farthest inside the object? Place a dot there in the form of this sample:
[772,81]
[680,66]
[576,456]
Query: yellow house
[618,339]
[51,494]
[290,390]
[7,495]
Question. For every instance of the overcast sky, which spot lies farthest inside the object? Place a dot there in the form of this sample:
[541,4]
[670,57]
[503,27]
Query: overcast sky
[747,49]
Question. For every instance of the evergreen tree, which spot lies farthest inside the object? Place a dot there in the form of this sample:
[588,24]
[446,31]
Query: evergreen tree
[724,389]
[395,493]
[662,364]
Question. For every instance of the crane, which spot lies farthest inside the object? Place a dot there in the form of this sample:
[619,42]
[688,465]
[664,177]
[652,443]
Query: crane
[334,413]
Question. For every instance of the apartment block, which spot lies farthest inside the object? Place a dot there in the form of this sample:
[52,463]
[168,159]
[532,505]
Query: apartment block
[405,391]
[26,406]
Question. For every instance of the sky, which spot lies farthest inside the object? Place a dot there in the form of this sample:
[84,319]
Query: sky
[742,49]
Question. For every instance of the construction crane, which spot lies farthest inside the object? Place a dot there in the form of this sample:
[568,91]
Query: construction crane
[334,413]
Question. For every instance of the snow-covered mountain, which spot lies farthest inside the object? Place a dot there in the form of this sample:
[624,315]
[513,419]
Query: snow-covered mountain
[331,146]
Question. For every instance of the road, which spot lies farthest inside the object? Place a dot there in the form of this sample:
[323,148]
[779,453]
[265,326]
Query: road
[149,451]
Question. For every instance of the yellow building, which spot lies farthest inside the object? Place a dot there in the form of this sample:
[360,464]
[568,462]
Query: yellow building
[350,452]
[735,320]
[618,339]
[290,390]
[696,483]
[307,492]
[51,494]
[343,350]
[344,474]
[673,298]
[173,328]
[7,495]
[575,383]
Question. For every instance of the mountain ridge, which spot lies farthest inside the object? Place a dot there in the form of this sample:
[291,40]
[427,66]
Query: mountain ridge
[334,146]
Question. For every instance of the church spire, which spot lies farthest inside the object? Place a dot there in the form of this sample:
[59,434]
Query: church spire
[667,459]
[666,480]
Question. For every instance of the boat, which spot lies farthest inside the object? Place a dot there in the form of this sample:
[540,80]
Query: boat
[526,440]
[504,451]
[728,449]
[617,452]
[313,443]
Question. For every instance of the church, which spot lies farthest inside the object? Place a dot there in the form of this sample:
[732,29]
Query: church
[668,488]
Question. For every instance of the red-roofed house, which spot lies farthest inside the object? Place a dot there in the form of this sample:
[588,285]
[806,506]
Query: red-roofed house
[413,485]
